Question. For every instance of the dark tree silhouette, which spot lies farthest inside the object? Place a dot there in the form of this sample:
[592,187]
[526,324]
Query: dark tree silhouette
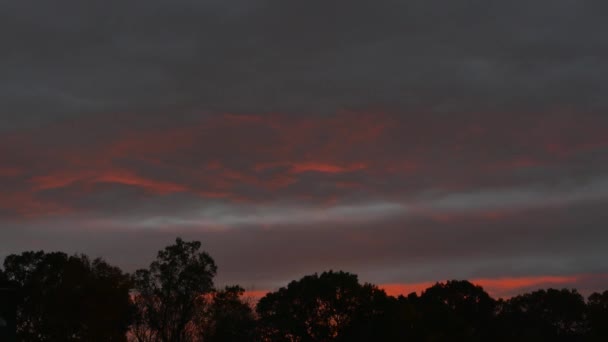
[332,306]
[69,298]
[379,318]
[3,279]
[8,309]
[455,310]
[56,297]
[597,316]
[167,292]
[544,315]
[226,317]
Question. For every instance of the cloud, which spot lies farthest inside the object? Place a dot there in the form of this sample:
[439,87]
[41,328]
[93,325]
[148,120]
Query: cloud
[405,140]
[69,60]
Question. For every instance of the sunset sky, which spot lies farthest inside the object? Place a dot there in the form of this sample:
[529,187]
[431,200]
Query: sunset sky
[405,141]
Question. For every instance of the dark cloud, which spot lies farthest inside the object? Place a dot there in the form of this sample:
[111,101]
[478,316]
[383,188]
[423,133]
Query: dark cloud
[405,140]
[69,58]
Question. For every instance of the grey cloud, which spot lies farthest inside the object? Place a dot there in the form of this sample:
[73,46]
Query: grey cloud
[182,211]
[533,242]
[467,90]
[70,58]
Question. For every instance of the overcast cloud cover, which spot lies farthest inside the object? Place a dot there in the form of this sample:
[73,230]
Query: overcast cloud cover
[406,141]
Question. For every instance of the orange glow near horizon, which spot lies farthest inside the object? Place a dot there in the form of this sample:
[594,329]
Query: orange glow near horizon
[503,287]
[496,287]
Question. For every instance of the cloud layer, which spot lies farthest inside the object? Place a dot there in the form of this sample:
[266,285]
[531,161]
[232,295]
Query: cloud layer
[408,141]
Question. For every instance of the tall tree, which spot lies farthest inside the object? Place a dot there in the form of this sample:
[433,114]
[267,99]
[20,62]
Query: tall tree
[69,298]
[167,292]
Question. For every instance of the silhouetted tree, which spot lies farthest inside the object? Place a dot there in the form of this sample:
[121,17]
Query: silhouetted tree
[57,297]
[329,307]
[544,315]
[455,310]
[226,317]
[3,279]
[166,292]
[378,318]
[8,309]
[69,298]
[597,316]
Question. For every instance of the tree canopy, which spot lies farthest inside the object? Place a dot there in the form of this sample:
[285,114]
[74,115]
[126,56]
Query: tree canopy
[68,298]
[325,307]
[455,309]
[226,317]
[58,297]
[167,291]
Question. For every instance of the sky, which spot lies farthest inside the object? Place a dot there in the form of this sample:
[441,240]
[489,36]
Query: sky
[405,141]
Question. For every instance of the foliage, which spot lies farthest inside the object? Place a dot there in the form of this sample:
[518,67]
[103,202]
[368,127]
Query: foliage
[557,315]
[319,308]
[456,309]
[597,316]
[226,317]
[167,292]
[69,298]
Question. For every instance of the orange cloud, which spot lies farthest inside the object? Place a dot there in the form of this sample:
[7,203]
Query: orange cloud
[306,166]
[54,181]
[326,168]
[145,183]
[249,157]
[24,205]
[59,180]
[8,171]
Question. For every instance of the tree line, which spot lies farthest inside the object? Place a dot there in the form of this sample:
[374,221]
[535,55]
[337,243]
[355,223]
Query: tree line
[60,297]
